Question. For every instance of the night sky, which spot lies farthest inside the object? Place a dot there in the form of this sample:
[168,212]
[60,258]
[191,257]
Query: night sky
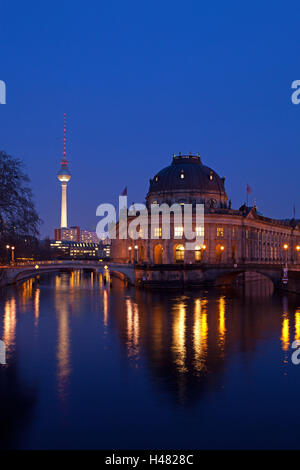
[141,80]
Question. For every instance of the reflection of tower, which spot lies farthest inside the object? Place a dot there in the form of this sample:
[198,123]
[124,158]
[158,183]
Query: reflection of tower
[64,176]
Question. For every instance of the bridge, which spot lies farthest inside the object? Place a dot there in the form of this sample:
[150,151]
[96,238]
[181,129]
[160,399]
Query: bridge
[154,275]
[19,272]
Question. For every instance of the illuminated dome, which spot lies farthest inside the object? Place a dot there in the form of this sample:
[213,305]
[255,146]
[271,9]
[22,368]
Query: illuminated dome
[187,180]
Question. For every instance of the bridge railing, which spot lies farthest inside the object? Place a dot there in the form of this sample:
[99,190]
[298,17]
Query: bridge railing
[51,262]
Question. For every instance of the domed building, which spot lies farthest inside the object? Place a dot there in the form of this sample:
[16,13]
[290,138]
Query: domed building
[187,181]
[230,236]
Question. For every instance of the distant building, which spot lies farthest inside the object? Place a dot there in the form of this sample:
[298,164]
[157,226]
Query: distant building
[71,234]
[104,249]
[75,250]
[89,236]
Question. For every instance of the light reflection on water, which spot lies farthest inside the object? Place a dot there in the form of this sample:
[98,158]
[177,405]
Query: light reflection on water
[97,346]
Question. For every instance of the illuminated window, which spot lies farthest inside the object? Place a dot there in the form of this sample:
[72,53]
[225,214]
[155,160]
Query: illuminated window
[178,232]
[198,254]
[211,176]
[179,253]
[156,178]
[157,231]
[182,174]
[220,232]
[199,231]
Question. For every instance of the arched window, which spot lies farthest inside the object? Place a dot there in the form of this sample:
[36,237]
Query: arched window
[179,253]
[158,254]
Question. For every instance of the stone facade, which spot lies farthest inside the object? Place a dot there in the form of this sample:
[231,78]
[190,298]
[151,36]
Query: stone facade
[230,236]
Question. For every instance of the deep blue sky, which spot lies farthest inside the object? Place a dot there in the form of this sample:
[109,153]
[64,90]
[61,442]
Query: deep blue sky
[141,80]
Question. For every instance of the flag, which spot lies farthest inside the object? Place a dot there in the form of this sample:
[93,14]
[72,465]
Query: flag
[124,193]
[249,189]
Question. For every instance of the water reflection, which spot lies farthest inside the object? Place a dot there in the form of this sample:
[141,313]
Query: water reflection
[132,329]
[297,325]
[200,334]
[222,328]
[285,331]
[63,332]
[179,345]
[10,321]
[179,336]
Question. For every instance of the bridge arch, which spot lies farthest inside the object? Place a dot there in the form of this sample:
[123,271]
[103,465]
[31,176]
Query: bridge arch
[229,276]
[15,274]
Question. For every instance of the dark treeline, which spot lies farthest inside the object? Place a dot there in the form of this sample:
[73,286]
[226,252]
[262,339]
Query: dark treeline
[19,221]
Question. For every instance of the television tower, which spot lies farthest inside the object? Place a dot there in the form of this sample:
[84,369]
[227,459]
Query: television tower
[64,177]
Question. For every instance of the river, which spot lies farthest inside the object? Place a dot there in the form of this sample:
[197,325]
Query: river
[94,366]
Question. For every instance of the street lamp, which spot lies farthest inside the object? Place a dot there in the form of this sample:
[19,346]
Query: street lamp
[12,252]
[129,249]
[297,249]
[286,247]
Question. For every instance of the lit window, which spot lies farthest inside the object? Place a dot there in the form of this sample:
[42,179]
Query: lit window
[179,253]
[156,178]
[220,232]
[198,254]
[157,231]
[182,174]
[211,176]
[178,232]
[199,231]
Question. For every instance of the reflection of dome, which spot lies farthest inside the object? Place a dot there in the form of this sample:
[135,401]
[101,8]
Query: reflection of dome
[188,180]
[64,175]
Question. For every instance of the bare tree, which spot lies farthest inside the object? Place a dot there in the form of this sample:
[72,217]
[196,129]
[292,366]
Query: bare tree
[18,216]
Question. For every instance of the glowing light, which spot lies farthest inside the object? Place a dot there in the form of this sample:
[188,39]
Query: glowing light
[36,266]
[285,246]
[298,247]
[222,247]
[36,306]
[178,347]
[105,307]
[285,333]
[297,325]
[10,321]
[105,267]
[203,247]
[222,327]
[200,329]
